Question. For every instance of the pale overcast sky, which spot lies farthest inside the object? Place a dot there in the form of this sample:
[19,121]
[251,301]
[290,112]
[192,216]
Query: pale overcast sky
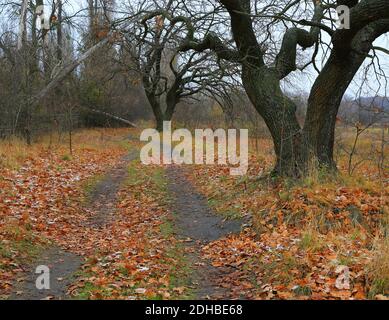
[299,81]
[303,81]
[371,87]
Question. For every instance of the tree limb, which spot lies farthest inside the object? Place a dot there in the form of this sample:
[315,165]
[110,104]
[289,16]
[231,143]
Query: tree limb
[66,70]
[361,15]
[131,124]
[22,25]
[286,59]
[211,42]
[381,49]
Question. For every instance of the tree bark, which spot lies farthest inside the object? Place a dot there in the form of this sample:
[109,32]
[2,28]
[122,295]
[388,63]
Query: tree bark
[59,32]
[328,91]
[22,25]
[160,115]
[262,85]
[279,113]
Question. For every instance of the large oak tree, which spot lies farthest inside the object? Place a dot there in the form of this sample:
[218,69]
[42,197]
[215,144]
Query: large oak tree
[298,148]
[168,74]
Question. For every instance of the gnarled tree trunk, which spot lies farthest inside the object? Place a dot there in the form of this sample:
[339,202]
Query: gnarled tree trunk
[161,115]
[329,89]
[279,113]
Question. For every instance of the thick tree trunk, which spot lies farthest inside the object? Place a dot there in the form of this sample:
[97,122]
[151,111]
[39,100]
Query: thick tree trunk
[157,110]
[279,114]
[159,123]
[262,85]
[323,105]
[172,100]
[327,93]
[160,115]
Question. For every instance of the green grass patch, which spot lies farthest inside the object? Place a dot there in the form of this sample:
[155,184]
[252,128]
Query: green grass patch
[167,229]
[67,157]
[153,180]
[22,247]
[90,290]
[89,186]
[310,241]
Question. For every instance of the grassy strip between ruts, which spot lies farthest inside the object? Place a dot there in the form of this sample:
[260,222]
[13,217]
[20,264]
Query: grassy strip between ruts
[142,259]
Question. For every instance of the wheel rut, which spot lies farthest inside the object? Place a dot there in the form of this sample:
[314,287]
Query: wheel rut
[63,264]
[198,225]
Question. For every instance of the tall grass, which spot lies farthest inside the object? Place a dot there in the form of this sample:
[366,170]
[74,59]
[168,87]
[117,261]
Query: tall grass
[377,273]
[14,151]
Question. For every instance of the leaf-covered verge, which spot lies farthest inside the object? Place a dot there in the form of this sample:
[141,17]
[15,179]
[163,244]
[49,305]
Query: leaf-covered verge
[324,237]
[42,191]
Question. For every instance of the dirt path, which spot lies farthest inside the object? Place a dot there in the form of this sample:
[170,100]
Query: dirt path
[63,265]
[196,222]
[103,198]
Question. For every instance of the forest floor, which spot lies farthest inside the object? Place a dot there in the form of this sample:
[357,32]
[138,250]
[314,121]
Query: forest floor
[109,227]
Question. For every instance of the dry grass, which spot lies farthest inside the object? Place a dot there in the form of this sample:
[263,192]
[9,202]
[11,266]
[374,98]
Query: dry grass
[311,239]
[377,273]
[14,151]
